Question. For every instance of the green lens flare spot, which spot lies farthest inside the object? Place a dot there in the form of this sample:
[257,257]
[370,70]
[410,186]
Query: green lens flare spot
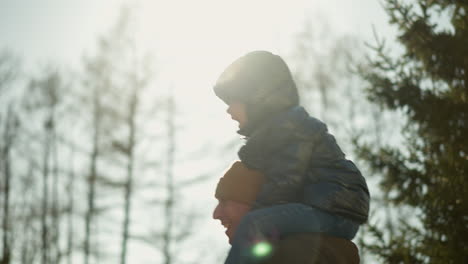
[262,249]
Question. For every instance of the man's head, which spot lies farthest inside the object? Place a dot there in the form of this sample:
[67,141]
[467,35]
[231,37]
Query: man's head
[230,213]
[236,192]
[262,82]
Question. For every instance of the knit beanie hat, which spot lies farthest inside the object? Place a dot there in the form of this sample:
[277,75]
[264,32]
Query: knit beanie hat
[239,184]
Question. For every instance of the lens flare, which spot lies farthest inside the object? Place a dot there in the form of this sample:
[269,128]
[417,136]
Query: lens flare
[262,249]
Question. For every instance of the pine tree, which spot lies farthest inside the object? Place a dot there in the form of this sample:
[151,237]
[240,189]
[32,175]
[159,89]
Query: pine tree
[428,84]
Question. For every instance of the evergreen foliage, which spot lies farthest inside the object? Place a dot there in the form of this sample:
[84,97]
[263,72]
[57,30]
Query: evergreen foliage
[428,83]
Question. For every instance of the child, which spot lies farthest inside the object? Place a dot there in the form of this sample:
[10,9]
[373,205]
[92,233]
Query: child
[310,186]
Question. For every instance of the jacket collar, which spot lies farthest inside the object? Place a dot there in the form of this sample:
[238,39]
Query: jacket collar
[252,127]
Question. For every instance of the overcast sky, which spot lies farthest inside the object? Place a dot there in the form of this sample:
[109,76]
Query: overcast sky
[193,40]
[63,30]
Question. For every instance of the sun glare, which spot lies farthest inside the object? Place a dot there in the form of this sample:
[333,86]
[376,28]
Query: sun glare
[199,38]
[262,249]
[193,41]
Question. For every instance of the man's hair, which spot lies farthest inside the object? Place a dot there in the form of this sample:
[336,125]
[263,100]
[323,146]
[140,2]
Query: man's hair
[239,184]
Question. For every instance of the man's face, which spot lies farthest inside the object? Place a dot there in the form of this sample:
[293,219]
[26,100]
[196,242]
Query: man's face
[238,112]
[230,214]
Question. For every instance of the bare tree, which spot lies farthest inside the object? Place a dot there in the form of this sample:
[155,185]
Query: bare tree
[96,105]
[131,92]
[8,138]
[71,208]
[44,95]
[313,67]
[169,203]
[9,125]
[119,77]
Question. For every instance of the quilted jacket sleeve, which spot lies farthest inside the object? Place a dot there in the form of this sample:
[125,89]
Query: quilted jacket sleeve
[284,163]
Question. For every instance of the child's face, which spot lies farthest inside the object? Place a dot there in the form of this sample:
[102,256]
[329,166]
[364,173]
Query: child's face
[238,113]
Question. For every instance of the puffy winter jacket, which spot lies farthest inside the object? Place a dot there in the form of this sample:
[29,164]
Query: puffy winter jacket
[312,248]
[301,161]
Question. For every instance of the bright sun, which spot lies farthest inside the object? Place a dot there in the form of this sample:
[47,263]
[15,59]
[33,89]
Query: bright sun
[194,41]
[199,38]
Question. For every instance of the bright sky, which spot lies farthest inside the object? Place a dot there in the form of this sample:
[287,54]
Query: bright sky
[193,41]
[185,30]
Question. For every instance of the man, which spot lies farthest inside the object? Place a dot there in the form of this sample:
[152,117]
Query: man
[236,192]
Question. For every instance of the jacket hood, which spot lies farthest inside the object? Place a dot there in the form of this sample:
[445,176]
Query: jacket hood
[263,82]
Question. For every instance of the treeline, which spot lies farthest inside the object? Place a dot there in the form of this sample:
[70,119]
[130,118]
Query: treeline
[424,179]
[83,152]
[88,157]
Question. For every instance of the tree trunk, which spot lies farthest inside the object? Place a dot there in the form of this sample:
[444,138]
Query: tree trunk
[129,181]
[55,215]
[92,177]
[71,201]
[8,141]
[45,198]
[169,204]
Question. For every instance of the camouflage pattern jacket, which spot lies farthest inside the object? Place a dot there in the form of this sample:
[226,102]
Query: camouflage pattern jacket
[303,163]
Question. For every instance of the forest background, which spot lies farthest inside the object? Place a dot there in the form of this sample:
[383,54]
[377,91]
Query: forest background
[112,140]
